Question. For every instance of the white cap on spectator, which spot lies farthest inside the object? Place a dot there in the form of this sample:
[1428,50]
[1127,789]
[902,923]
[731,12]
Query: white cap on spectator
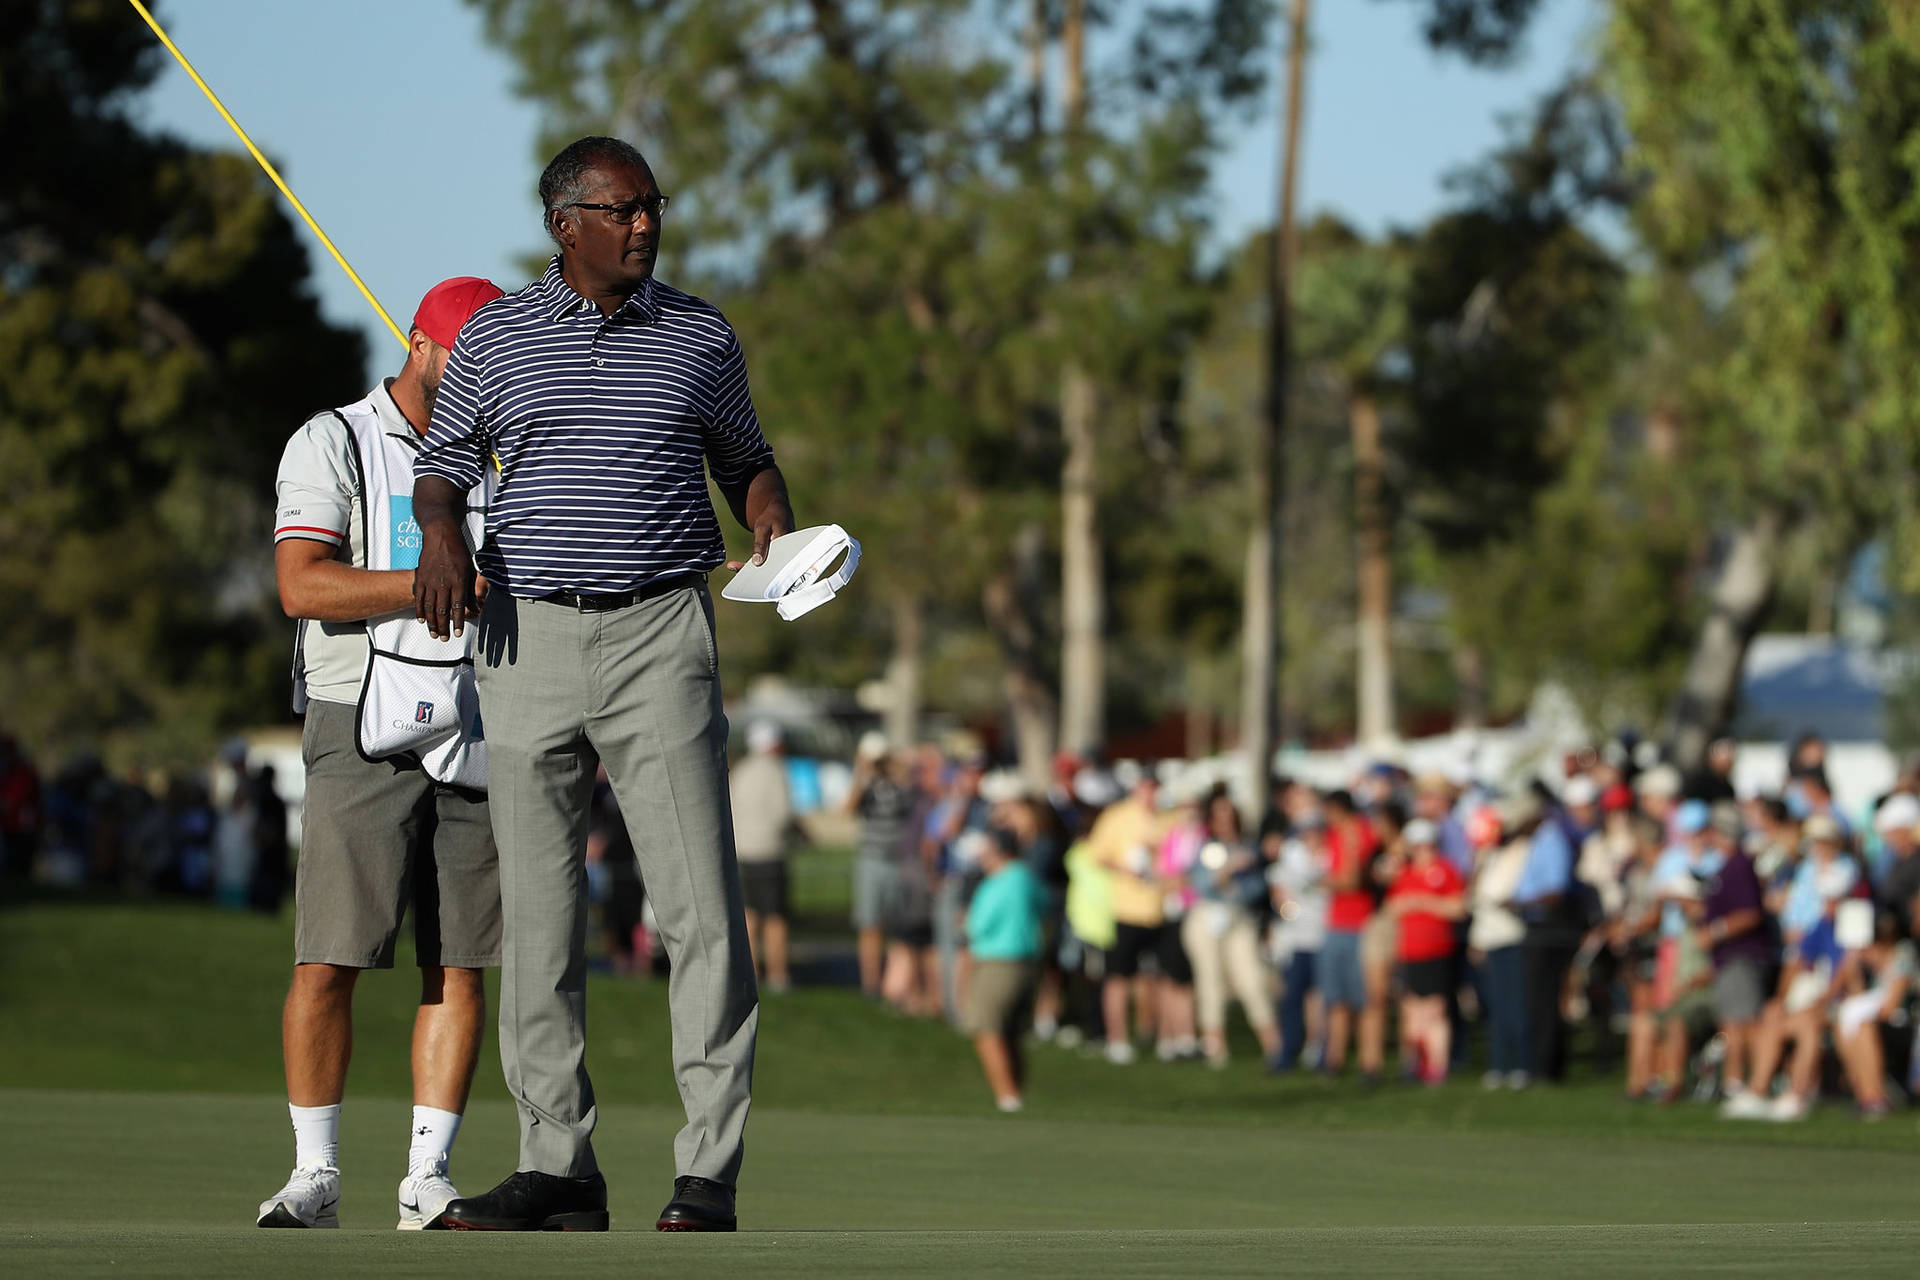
[1661,780]
[1002,786]
[763,736]
[873,745]
[969,847]
[1581,792]
[1899,812]
[1189,785]
[1094,788]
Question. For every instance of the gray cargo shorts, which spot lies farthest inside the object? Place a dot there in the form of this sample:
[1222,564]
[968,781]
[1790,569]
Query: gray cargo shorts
[875,881]
[378,835]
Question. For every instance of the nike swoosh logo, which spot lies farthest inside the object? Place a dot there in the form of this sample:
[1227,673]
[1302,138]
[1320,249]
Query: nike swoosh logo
[411,1206]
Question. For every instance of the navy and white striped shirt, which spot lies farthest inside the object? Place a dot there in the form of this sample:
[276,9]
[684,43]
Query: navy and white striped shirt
[601,424]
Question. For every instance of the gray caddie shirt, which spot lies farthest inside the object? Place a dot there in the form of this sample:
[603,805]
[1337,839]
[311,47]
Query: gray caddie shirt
[318,499]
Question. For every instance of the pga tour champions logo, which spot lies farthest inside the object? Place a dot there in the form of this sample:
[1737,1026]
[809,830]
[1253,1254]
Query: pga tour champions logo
[422,719]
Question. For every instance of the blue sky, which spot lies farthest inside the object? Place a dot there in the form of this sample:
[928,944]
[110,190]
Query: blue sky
[397,126]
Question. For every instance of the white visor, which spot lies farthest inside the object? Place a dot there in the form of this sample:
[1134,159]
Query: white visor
[795,577]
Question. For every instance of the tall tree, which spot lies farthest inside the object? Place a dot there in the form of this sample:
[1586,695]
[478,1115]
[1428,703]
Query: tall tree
[1352,304]
[1772,153]
[1777,144]
[1083,605]
[1260,651]
[147,383]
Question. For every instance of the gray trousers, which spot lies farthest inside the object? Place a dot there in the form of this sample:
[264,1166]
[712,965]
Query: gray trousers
[637,689]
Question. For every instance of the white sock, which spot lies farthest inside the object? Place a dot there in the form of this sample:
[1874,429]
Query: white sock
[316,1135]
[433,1133]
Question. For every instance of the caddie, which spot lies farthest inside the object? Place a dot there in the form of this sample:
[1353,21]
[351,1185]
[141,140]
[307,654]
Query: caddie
[396,807]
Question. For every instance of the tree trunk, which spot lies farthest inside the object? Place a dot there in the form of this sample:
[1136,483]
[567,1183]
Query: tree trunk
[1083,604]
[1260,639]
[1711,691]
[904,670]
[1012,602]
[1199,715]
[1374,627]
[1470,681]
[1073,40]
[1036,41]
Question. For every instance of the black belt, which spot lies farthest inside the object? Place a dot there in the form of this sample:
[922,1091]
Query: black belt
[586,602]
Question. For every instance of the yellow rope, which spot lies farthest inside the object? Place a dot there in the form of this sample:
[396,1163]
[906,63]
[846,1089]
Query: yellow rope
[285,190]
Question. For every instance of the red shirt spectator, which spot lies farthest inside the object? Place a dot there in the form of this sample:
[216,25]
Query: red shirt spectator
[1424,935]
[1350,845]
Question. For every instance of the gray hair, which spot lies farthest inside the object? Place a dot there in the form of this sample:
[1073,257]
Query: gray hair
[562,182]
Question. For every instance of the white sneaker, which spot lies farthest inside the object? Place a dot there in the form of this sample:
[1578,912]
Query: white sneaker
[1493,1080]
[1120,1054]
[1745,1105]
[1519,1080]
[311,1198]
[424,1196]
[1009,1105]
[1788,1107]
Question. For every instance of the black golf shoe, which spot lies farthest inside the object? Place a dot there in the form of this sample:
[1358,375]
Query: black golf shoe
[534,1202]
[698,1204]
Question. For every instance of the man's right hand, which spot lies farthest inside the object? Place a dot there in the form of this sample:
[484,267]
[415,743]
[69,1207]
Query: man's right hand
[443,595]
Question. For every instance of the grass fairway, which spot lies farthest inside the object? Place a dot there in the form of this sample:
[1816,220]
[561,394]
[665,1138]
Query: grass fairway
[138,1055]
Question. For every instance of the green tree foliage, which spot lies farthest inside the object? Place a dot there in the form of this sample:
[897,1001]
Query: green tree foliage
[1776,150]
[158,343]
[1206,530]
[1483,31]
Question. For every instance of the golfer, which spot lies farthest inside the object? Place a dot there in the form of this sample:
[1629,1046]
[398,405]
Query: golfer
[379,832]
[607,397]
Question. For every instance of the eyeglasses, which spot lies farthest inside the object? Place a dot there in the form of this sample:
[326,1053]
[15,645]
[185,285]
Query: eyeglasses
[627,211]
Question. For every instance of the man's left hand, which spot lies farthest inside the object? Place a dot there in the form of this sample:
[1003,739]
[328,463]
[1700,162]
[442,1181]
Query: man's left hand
[765,509]
[774,521]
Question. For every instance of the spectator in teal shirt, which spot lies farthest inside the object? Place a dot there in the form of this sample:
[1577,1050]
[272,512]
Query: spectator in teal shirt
[1003,933]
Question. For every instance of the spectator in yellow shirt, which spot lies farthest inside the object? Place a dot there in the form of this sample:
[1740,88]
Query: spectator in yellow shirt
[1124,840]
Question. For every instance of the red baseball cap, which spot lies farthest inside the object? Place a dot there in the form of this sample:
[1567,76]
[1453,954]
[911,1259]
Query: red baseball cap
[450,304]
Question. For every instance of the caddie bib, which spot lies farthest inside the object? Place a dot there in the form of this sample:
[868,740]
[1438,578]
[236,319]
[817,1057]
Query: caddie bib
[418,697]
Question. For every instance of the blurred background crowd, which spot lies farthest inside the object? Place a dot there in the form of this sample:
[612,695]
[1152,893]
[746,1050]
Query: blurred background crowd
[1695,936]
[220,833]
[1755,949]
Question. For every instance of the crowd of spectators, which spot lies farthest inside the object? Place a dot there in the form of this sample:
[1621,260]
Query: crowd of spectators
[1758,949]
[219,836]
[1755,950]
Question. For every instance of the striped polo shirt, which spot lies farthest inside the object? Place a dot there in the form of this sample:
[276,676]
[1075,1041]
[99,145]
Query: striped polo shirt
[601,425]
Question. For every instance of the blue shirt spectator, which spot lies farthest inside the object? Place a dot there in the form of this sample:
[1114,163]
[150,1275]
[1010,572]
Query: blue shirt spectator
[1548,872]
[1455,847]
[1815,884]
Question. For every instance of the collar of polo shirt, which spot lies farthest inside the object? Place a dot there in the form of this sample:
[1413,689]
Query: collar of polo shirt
[562,301]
